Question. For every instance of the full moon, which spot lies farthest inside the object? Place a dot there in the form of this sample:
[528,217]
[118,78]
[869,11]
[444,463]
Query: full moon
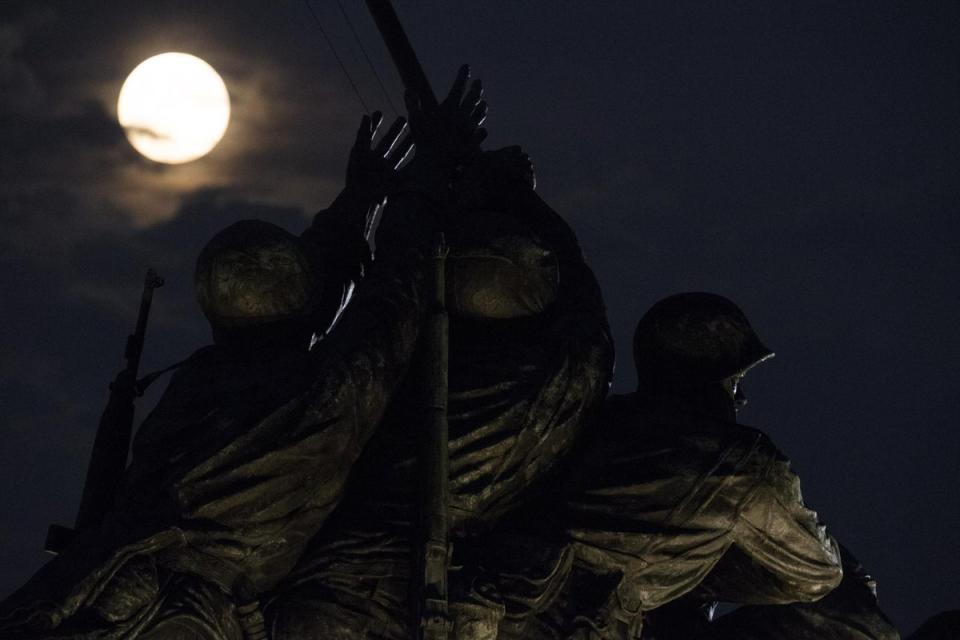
[174,108]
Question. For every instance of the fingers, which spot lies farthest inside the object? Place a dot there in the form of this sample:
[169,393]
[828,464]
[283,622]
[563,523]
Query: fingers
[473,97]
[375,119]
[364,133]
[478,136]
[456,91]
[400,152]
[479,113]
[529,174]
[474,107]
[390,137]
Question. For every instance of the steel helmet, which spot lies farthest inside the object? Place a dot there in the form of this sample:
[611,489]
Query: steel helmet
[696,338]
[254,273]
[498,268]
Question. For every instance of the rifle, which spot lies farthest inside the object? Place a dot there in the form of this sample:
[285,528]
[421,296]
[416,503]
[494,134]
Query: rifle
[112,443]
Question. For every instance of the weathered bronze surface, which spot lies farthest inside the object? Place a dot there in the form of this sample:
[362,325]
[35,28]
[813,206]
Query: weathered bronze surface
[305,475]
[672,506]
[249,448]
[519,393]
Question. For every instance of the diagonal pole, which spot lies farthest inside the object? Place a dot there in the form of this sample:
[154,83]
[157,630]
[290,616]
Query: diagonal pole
[431,616]
[401,51]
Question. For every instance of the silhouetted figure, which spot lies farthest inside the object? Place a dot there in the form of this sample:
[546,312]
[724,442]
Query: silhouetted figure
[670,486]
[676,506]
[530,359]
[249,448]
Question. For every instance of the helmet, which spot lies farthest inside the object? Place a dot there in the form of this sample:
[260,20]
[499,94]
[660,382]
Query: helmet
[696,338]
[498,268]
[254,273]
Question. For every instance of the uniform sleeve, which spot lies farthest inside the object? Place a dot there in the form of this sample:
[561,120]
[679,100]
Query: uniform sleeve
[243,497]
[781,552]
[338,235]
[261,471]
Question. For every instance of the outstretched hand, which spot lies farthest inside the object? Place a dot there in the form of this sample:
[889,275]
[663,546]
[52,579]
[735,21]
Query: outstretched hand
[452,131]
[372,170]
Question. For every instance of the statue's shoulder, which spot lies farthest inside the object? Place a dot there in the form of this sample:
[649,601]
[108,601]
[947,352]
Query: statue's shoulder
[758,457]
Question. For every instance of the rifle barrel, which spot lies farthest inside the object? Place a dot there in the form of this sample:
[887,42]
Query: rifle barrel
[112,443]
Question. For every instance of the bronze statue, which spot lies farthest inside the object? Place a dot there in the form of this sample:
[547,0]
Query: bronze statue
[249,449]
[529,358]
[674,505]
[848,612]
[276,489]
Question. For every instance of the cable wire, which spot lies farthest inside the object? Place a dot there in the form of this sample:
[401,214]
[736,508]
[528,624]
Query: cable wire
[335,55]
[366,57]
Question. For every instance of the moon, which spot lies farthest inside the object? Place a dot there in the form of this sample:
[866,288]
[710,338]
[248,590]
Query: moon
[174,108]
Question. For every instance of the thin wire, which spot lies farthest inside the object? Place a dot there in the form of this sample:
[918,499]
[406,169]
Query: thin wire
[366,57]
[366,109]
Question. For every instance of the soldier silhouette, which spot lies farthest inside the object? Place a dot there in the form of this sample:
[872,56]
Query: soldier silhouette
[530,358]
[673,506]
[249,449]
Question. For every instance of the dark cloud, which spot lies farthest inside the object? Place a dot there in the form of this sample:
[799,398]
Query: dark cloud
[284,137]
[20,89]
[146,132]
[86,143]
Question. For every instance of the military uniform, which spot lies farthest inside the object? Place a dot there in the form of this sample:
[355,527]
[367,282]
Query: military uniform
[848,612]
[530,359]
[655,504]
[674,505]
[244,456]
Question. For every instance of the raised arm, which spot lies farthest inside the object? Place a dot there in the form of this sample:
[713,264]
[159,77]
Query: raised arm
[341,232]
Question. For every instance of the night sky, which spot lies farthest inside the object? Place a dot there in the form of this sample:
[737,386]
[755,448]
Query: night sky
[800,158]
